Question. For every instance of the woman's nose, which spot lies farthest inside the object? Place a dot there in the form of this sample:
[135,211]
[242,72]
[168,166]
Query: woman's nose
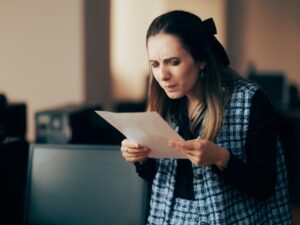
[164,73]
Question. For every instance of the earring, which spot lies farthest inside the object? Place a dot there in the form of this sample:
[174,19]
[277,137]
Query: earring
[202,74]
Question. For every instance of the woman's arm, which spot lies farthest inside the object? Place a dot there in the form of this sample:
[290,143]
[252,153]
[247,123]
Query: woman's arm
[146,169]
[138,155]
[257,176]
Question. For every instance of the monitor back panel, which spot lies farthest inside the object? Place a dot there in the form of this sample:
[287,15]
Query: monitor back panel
[83,185]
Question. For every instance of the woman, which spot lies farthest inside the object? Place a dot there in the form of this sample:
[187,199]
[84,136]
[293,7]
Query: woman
[234,171]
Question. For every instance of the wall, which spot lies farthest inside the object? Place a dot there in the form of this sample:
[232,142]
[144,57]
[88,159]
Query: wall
[266,34]
[97,82]
[54,52]
[41,59]
[129,68]
[45,45]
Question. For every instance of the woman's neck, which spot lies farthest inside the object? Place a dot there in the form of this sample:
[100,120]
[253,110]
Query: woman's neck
[192,106]
[193,102]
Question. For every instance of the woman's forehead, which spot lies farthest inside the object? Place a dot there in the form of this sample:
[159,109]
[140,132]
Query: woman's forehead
[162,46]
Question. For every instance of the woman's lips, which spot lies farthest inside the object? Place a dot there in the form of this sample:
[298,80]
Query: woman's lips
[170,87]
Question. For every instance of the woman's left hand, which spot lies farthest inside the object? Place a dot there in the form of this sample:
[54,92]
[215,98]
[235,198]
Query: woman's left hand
[202,152]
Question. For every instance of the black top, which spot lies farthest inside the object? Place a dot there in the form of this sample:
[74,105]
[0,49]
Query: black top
[256,177]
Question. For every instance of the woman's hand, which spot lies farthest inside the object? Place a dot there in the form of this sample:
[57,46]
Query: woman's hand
[202,152]
[133,152]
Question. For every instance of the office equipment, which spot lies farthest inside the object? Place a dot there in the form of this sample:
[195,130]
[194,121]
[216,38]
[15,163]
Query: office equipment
[82,185]
[276,86]
[13,164]
[289,124]
[12,119]
[74,124]
[128,106]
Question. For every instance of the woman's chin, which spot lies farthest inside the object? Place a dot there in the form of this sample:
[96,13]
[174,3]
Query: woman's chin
[174,95]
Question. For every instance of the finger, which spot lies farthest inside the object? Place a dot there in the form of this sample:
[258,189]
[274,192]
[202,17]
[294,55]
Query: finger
[181,144]
[135,150]
[187,152]
[125,148]
[129,156]
[190,152]
[140,154]
[135,159]
[190,156]
[130,144]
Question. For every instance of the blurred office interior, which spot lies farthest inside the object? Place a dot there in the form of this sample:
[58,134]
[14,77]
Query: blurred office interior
[76,56]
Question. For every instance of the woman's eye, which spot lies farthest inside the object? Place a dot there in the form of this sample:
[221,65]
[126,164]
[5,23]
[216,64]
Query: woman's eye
[174,62]
[154,65]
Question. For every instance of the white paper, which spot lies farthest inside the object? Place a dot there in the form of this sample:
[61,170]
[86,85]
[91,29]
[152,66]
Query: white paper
[148,129]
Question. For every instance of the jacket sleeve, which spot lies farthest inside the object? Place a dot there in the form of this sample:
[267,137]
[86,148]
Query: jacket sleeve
[257,176]
[147,169]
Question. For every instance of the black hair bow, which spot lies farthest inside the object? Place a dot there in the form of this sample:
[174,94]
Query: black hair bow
[218,49]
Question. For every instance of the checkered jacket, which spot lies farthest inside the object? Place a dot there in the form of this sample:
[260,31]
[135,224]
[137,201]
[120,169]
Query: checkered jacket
[218,200]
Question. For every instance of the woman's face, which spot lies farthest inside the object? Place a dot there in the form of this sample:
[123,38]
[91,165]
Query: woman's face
[173,67]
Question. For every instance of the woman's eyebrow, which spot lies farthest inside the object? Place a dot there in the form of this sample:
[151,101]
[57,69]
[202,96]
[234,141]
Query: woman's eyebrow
[170,59]
[165,60]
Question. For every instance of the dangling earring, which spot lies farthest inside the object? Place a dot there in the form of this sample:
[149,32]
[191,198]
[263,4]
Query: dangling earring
[202,74]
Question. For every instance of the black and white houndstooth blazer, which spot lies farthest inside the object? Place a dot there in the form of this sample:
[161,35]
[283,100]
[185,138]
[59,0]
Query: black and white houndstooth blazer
[218,201]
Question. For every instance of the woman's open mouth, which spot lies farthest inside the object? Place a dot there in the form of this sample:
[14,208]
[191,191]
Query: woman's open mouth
[170,87]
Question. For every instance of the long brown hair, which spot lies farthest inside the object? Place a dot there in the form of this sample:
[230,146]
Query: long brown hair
[217,81]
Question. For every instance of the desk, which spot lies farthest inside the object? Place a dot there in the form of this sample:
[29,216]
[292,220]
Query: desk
[13,168]
[290,135]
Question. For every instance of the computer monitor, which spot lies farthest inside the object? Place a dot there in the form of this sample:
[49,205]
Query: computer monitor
[276,86]
[82,185]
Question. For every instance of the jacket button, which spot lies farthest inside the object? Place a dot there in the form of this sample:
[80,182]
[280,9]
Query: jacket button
[204,223]
[198,176]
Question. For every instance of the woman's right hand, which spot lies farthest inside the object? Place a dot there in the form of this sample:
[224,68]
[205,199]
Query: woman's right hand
[133,152]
